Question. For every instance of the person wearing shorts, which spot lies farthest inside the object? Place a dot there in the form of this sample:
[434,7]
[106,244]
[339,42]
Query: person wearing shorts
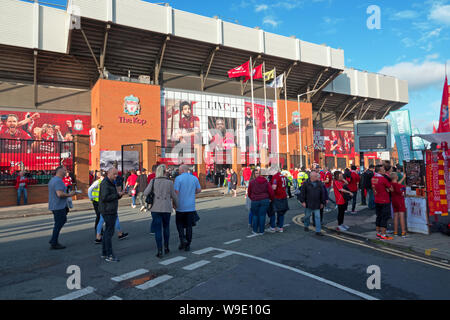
[382,189]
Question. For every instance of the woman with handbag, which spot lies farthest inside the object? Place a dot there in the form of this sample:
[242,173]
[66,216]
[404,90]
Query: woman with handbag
[162,199]
[342,196]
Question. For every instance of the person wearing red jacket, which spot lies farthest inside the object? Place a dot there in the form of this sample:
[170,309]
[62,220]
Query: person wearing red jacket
[382,189]
[21,187]
[260,193]
[353,183]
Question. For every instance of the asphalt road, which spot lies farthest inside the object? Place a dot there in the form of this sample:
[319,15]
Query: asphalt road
[225,262]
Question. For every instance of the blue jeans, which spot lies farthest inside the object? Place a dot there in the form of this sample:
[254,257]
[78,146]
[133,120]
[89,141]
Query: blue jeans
[60,217]
[19,194]
[259,210]
[161,225]
[279,220]
[229,186]
[295,184]
[307,218]
[108,234]
[133,200]
[371,199]
[101,221]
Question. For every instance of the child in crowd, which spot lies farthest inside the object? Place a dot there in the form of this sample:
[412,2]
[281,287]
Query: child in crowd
[398,203]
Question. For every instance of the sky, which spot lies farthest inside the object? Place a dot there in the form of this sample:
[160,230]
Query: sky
[412,42]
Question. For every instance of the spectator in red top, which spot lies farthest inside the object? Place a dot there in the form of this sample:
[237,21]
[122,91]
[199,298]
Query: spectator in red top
[382,188]
[15,134]
[398,203]
[341,200]
[152,175]
[260,193]
[68,182]
[131,182]
[21,187]
[247,175]
[353,182]
[280,202]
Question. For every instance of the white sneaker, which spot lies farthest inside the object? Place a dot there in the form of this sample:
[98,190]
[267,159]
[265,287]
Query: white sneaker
[341,228]
[271,230]
[133,206]
[142,208]
[345,227]
[280,230]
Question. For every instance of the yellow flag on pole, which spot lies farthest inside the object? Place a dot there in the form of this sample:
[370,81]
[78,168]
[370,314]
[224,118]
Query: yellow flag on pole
[269,75]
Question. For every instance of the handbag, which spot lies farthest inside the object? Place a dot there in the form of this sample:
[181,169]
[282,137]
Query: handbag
[151,196]
[196,219]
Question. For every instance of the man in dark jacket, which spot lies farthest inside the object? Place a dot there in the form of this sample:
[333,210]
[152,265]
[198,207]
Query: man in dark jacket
[312,198]
[108,206]
[367,180]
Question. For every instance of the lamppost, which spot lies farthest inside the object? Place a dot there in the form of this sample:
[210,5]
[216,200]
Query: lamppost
[300,123]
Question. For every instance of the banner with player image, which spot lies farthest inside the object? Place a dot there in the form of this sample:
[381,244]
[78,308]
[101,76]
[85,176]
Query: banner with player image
[218,122]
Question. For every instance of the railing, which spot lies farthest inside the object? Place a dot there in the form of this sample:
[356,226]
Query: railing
[38,158]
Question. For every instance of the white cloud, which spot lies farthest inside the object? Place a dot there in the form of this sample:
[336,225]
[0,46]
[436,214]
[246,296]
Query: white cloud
[271,21]
[261,7]
[419,75]
[432,56]
[441,14]
[406,14]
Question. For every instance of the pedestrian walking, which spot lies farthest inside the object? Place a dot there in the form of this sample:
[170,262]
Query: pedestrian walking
[328,183]
[129,187]
[93,194]
[280,204]
[57,203]
[302,177]
[382,188]
[68,182]
[164,201]
[353,182]
[21,187]
[108,206]
[141,185]
[234,182]
[312,198]
[342,195]
[260,193]
[398,203]
[186,187]
[228,178]
[247,176]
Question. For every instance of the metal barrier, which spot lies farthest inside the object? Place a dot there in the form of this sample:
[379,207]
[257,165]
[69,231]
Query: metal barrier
[38,158]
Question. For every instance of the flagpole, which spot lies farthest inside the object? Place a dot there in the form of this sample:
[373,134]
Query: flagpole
[265,104]
[253,112]
[287,133]
[276,103]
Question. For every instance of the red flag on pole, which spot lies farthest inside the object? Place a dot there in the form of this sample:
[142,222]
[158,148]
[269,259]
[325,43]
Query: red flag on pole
[444,124]
[241,71]
[257,73]
[434,129]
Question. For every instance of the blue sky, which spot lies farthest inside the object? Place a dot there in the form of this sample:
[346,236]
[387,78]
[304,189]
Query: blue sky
[413,43]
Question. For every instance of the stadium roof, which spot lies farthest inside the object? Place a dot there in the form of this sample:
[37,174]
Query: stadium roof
[132,38]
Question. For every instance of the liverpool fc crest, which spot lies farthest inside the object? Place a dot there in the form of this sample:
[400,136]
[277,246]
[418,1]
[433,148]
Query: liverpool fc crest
[131,106]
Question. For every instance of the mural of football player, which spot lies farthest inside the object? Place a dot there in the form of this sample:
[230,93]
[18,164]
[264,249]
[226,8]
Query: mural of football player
[347,143]
[271,128]
[189,124]
[335,143]
[11,130]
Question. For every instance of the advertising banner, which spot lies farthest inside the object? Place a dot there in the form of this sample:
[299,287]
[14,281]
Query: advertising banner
[335,142]
[437,193]
[416,210]
[219,123]
[401,128]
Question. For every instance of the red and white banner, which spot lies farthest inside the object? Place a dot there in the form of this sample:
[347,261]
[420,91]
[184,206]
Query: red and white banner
[437,193]
[33,161]
[257,73]
[241,71]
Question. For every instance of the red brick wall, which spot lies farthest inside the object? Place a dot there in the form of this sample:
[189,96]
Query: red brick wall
[36,194]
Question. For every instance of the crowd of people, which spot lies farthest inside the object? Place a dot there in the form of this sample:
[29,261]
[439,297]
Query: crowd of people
[267,192]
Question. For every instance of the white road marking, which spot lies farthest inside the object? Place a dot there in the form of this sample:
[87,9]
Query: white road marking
[206,250]
[76,294]
[309,275]
[232,241]
[129,275]
[114,298]
[223,255]
[196,265]
[173,260]
[154,282]
[252,236]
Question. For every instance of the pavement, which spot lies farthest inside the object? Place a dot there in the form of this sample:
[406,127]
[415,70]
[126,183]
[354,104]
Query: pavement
[362,226]
[39,209]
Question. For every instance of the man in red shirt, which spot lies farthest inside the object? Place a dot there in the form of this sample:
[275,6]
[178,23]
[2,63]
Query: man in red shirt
[280,202]
[152,175]
[68,182]
[247,173]
[353,182]
[189,124]
[382,188]
[13,132]
[328,182]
